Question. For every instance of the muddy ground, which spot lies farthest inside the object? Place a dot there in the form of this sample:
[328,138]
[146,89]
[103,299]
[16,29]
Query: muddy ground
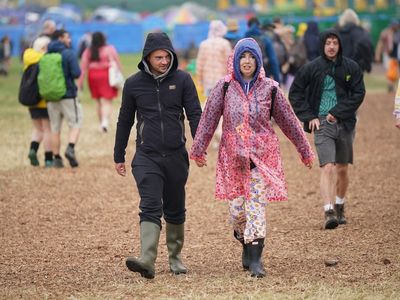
[65,234]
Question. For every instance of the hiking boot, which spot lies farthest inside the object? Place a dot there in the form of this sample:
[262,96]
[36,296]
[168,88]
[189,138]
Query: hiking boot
[331,221]
[58,163]
[70,155]
[339,208]
[33,157]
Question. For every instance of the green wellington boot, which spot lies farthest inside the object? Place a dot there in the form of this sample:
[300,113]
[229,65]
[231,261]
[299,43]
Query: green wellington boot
[175,237]
[149,236]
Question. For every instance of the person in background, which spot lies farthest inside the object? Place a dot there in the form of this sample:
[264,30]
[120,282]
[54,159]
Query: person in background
[95,63]
[159,96]
[212,57]
[69,106]
[211,62]
[325,95]
[5,55]
[264,40]
[249,167]
[48,28]
[40,118]
[311,40]
[397,106]
[233,31]
[387,52]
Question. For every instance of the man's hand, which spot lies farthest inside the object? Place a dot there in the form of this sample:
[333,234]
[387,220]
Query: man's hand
[309,164]
[120,168]
[314,124]
[201,162]
[331,119]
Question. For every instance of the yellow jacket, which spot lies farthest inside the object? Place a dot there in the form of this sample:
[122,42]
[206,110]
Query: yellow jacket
[30,57]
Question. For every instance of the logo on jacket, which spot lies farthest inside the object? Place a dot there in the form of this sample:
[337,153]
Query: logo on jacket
[172,87]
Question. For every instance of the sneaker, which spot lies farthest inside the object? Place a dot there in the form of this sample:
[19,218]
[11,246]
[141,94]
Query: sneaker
[339,208]
[33,157]
[70,155]
[48,163]
[58,163]
[330,219]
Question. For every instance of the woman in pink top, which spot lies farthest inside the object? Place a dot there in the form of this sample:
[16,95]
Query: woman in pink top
[249,167]
[95,62]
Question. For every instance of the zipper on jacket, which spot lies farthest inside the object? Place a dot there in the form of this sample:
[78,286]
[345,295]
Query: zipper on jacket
[182,127]
[160,111]
[141,127]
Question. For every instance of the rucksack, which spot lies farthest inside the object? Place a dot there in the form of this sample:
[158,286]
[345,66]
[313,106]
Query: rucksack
[28,88]
[51,78]
[273,94]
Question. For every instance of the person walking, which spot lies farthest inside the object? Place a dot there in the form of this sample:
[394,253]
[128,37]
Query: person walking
[311,40]
[69,106]
[159,95]
[325,95]
[40,118]
[397,106]
[249,166]
[96,61]
[211,63]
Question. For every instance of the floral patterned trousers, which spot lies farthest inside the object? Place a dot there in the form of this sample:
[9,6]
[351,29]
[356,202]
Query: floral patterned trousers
[248,216]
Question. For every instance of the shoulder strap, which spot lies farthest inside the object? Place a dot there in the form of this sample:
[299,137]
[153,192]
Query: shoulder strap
[225,87]
[273,95]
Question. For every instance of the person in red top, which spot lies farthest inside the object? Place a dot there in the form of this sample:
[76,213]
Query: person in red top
[96,61]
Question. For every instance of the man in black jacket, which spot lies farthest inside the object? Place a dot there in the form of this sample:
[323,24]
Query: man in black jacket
[158,94]
[325,95]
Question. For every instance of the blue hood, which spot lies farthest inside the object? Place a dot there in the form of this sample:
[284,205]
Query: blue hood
[246,45]
[56,46]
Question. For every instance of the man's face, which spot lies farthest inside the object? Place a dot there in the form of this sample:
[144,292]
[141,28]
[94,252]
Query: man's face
[331,48]
[159,61]
[66,39]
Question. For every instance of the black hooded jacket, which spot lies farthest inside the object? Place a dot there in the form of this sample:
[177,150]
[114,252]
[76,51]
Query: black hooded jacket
[306,90]
[159,104]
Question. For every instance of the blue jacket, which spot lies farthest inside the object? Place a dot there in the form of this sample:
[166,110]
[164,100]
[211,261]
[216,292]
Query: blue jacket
[273,63]
[70,66]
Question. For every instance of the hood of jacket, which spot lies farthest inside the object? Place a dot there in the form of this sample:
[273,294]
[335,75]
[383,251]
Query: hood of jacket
[217,29]
[324,36]
[245,45]
[158,41]
[56,46]
[31,56]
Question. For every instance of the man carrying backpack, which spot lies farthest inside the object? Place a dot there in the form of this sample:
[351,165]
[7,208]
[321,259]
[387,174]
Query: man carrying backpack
[68,106]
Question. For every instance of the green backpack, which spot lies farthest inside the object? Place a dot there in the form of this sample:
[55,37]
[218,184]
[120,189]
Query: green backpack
[51,78]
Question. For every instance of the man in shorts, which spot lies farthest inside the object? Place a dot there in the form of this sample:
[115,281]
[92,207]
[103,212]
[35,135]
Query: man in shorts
[325,95]
[69,106]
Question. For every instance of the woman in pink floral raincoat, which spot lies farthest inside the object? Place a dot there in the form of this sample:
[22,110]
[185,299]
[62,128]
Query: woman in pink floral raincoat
[249,167]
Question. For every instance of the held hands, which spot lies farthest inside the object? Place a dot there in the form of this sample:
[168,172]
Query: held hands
[309,164]
[201,162]
[120,168]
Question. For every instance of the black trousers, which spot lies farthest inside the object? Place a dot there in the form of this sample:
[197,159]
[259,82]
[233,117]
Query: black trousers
[161,183]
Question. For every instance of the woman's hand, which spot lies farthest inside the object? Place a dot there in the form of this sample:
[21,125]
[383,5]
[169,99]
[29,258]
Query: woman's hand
[309,164]
[201,162]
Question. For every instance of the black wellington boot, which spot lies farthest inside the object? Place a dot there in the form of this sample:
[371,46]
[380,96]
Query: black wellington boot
[149,237]
[245,254]
[255,249]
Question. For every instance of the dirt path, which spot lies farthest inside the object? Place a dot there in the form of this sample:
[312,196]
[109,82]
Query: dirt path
[66,233]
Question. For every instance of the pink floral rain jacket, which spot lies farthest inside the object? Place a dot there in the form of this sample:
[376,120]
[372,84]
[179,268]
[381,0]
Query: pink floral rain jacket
[247,130]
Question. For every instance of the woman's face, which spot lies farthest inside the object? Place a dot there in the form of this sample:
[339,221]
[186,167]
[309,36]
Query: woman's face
[248,65]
